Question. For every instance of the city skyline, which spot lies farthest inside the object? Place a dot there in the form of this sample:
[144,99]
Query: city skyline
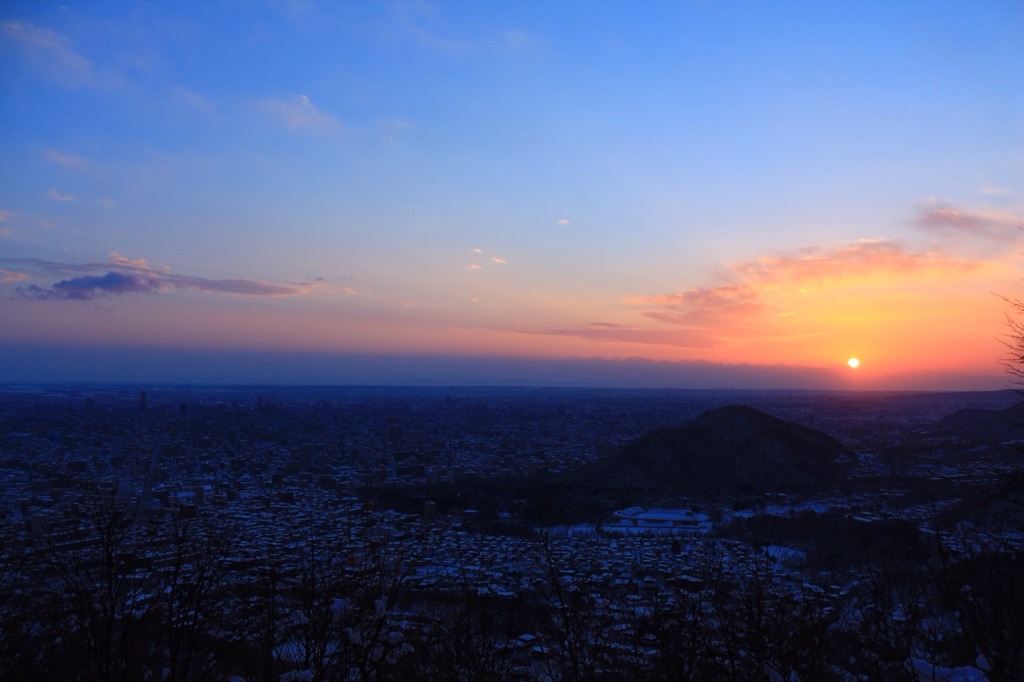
[698,194]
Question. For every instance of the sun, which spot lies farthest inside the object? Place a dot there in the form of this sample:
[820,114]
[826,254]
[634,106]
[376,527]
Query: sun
[854,363]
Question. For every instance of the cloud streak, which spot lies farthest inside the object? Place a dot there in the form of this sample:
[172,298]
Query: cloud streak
[866,262]
[996,225]
[702,305]
[54,195]
[299,113]
[10,276]
[69,161]
[52,55]
[609,331]
[88,281]
[760,298]
[860,261]
[414,17]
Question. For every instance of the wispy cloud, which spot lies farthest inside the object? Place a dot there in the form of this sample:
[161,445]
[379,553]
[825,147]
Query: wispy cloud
[418,20]
[755,284]
[498,260]
[69,161]
[134,263]
[5,216]
[862,260]
[517,39]
[702,305]
[299,113]
[53,55]
[121,275]
[997,225]
[54,195]
[395,129]
[190,99]
[994,191]
[299,12]
[607,331]
[754,299]
[564,221]
[11,276]
[764,302]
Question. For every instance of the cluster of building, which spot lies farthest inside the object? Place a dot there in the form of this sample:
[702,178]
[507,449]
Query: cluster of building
[273,466]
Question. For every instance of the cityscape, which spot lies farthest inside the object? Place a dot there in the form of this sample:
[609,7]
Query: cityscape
[291,533]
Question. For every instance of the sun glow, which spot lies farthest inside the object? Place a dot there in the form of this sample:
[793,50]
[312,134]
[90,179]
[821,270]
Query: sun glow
[854,363]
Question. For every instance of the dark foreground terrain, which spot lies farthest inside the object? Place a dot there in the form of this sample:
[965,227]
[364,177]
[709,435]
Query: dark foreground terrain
[240,533]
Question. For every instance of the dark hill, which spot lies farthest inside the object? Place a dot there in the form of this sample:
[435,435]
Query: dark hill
[980,426]
[730,450]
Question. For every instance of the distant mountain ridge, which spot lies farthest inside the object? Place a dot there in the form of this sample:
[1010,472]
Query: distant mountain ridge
[730,450]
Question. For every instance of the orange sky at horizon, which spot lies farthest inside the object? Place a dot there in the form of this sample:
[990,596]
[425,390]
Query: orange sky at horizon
[897,314]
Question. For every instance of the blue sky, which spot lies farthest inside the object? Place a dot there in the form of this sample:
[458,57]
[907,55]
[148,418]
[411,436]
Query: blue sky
[732,183]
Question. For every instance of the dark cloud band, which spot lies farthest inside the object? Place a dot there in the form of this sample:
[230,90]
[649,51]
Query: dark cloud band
[125,276]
